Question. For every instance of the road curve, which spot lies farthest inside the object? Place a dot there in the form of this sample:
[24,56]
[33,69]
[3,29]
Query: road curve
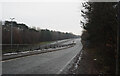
[46,63]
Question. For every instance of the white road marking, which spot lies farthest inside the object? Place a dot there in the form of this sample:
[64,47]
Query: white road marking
[66,64]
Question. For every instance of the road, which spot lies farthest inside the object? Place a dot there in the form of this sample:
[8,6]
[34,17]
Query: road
[46,63]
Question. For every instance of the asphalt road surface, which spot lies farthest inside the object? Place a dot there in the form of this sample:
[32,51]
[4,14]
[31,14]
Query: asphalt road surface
[46,63]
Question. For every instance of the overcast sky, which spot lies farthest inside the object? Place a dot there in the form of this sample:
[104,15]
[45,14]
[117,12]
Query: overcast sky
[60,16]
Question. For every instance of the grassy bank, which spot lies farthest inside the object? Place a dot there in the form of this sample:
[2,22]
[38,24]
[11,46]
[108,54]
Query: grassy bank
[23,47]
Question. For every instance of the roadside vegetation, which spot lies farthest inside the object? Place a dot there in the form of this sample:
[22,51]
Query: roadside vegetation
[26,37]
[99,37]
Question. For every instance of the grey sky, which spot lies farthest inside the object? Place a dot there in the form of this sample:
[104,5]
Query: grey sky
[59,16]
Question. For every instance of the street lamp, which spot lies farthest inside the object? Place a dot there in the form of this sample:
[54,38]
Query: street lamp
[11,30]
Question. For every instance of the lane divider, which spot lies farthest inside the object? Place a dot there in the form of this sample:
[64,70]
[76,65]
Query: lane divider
[32,54]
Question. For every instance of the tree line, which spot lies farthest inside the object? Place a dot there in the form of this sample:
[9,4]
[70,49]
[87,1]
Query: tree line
[100,33]
[22,34]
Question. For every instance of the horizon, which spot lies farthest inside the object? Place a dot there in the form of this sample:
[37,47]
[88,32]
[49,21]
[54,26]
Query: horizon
[62,16]
[37,28]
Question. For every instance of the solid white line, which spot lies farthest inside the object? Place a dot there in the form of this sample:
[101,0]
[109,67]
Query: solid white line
[66,64]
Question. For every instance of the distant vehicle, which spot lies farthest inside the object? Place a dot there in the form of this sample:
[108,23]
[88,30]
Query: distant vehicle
[73,41]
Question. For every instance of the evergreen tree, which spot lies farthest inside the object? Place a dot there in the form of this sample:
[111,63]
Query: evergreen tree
[101,25]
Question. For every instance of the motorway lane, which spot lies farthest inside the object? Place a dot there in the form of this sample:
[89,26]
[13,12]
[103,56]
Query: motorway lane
[46,63]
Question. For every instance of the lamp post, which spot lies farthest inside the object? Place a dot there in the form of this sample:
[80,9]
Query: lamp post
[11,31]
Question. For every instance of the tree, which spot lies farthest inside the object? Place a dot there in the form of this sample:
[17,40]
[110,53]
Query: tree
[101,25]
[22,34]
